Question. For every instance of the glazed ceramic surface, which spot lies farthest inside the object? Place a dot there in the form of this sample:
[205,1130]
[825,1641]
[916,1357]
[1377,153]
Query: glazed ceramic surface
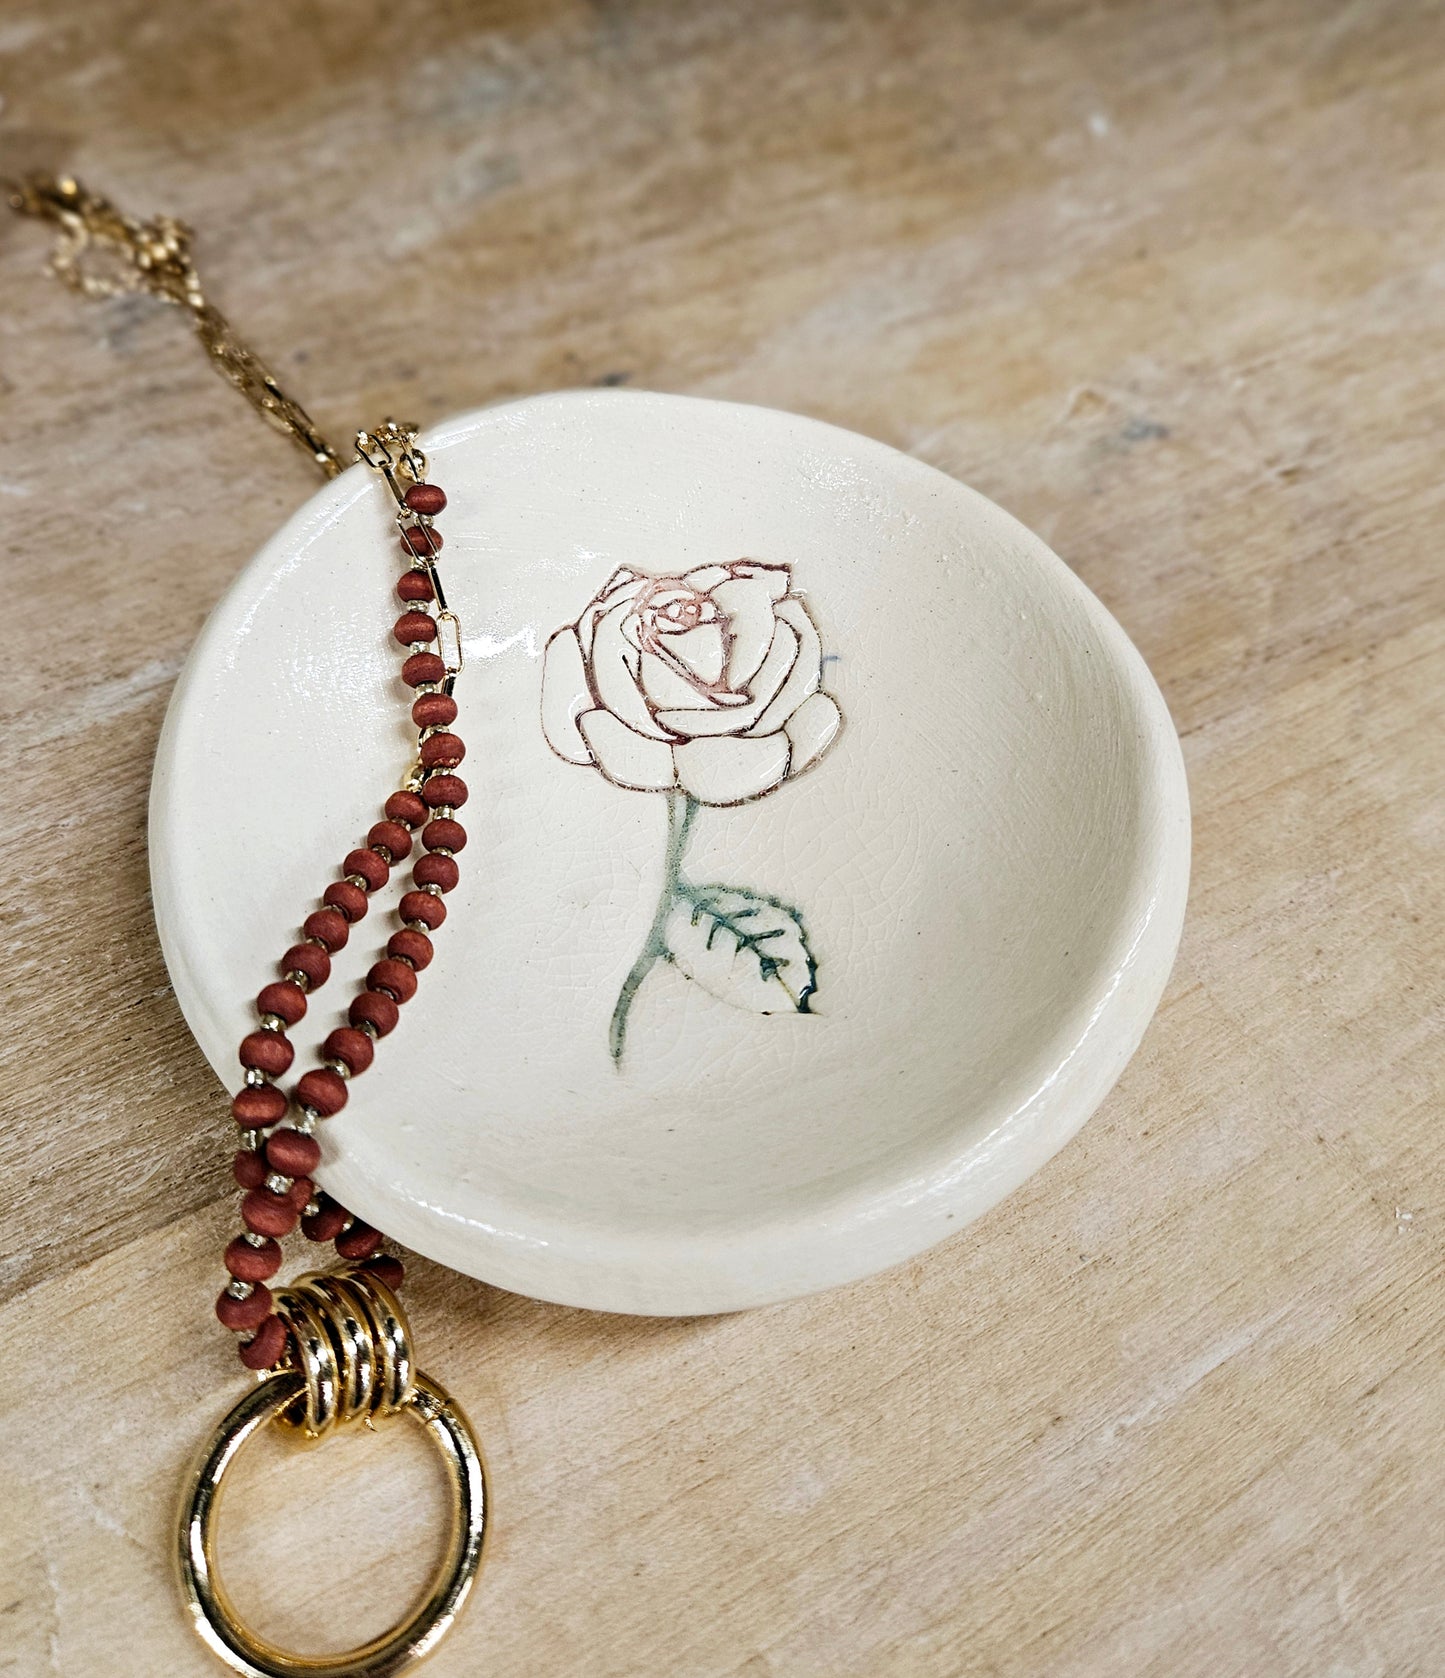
[828,849]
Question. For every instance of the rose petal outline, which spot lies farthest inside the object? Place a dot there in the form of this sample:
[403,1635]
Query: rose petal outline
[774,675]
[779,578]
[806,674]
[614,682]
[811,729]
[704,578]
[703,651]
[732,769]
[565,694]
[748,603]
[625,757]
[668,686]
[595,608]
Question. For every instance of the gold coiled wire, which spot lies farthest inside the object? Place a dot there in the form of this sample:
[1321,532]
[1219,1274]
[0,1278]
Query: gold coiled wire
[351,1361]
[352,1346]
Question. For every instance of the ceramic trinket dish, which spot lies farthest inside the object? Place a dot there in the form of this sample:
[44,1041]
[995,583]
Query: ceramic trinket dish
[829,848]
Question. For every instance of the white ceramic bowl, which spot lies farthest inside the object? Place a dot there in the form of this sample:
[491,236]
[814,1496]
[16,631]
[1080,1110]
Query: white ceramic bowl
[989,856]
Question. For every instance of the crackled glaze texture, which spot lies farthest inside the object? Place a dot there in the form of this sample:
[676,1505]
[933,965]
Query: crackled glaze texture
[976,888]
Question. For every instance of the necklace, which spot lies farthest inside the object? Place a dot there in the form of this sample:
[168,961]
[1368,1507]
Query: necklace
[332,1348]
[767,1000]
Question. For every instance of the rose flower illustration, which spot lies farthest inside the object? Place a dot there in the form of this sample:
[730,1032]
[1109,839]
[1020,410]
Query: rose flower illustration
[706,687]
[706,683]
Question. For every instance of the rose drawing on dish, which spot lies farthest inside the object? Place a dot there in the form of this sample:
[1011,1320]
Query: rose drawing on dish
[706,688]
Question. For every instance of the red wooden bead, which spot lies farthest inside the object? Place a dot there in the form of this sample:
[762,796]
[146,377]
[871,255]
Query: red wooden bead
[265,1347]
[445,789]
[436,870]
[353,1048]
[258,1105]
[287,1001]
[421,539]
[422,906]
[433,710]
[414,626]
[300,1193]
[392,837]
[270,1052]
[426,498]
[414,947]
[443,834]
[309,959]
[322,1089]
[247,1313]
[327,1222]
[358,1242]
[252,1264]
[442,751]
[407,808]
[267,1213]
[415,585]
[248,1168]
[387,1269]
[393,977]
[330,926]
[346,899]
[375,1009]
[292,1152]
[421,668]
[372,868]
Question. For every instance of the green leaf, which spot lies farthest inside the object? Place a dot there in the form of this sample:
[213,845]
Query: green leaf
[742,948]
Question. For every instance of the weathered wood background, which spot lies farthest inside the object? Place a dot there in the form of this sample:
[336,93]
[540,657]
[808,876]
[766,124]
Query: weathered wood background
[1168,281]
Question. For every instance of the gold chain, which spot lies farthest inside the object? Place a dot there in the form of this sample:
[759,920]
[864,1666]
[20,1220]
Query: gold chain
[100,252]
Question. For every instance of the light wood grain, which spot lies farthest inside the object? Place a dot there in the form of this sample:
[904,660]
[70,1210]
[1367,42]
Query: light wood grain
[1165,280]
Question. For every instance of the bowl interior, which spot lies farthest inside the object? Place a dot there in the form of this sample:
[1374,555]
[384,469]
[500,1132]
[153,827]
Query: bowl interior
[990,859]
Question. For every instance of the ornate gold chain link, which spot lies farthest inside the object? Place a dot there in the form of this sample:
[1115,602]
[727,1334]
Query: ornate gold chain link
[101,252]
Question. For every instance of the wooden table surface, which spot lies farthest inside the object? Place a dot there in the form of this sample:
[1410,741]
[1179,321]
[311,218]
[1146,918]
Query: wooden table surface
[1167,281]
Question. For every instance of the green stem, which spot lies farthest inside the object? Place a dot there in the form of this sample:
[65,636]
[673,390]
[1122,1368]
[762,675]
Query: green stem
[681,808]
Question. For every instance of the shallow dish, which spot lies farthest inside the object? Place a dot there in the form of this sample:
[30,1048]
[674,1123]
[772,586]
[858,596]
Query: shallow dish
[866,798]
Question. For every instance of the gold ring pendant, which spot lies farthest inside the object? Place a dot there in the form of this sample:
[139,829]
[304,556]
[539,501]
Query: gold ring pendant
[355,1364]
